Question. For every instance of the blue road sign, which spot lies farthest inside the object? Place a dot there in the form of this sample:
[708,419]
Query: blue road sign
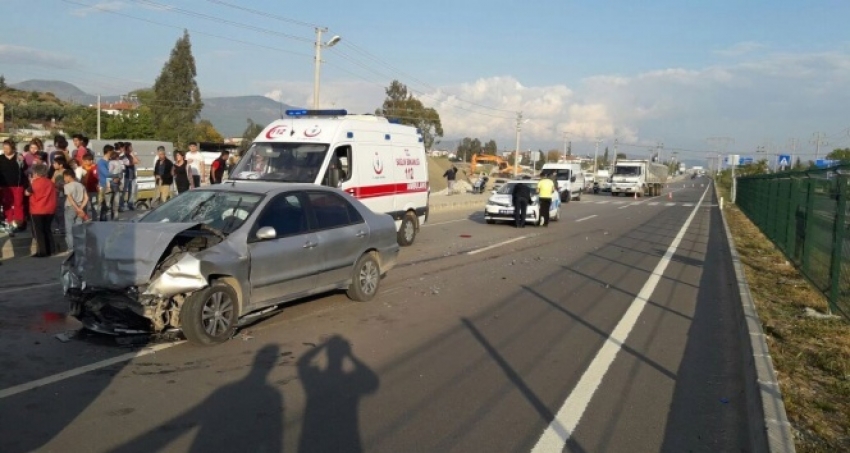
[745,160]
[784,160]
[824,163]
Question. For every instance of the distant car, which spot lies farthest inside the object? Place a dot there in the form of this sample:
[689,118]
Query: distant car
[500,205]
[214,258]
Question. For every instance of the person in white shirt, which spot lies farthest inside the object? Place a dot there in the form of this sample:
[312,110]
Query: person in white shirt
[197,168]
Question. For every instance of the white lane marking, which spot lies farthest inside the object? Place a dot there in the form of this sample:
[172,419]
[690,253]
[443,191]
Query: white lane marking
[670,204]
[556,435]
[24,288]
[11,391]
[586,218]
[688,205]
[654,203]
[491,247]
[619,202]
[603,202]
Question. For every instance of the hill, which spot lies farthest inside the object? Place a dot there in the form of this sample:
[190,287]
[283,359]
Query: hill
[230,114]
[62,90]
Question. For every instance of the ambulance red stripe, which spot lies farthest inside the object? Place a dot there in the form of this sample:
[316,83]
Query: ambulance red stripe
[385,190]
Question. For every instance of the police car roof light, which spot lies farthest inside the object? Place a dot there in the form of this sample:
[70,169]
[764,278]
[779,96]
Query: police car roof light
[316,113]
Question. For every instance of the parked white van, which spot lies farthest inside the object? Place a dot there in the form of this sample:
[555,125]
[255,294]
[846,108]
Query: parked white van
[570,179]
[378,162]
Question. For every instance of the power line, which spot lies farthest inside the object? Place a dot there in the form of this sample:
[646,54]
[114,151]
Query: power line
[265,14]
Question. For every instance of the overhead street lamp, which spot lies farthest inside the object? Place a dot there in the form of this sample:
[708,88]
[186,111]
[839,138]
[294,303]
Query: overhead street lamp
[319,44]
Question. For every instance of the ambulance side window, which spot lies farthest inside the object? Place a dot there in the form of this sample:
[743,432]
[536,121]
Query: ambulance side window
[339,169]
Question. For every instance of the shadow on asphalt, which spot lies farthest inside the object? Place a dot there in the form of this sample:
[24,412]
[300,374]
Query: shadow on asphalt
[243,416]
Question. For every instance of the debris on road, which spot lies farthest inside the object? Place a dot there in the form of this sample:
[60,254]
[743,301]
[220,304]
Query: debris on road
[66,336]
[246,336]
[812,313]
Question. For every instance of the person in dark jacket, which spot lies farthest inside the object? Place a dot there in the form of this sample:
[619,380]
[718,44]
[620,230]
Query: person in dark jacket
[163,171]
[13,182]
[521,195]
[451,176]
[218,167]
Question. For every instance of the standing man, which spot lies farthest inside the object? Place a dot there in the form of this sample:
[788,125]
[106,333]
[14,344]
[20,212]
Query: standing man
[218,167]
[91,182]
[80,149]
[107,182]
[129,160]
[451,176]
[163,172]
[521,195]
[197,168]
[13,182]
[545,189]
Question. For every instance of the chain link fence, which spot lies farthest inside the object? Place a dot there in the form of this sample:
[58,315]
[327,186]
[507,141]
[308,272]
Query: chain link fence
[805,214]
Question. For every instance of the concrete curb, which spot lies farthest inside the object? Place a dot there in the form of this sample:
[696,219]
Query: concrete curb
[450,205]
[770,430]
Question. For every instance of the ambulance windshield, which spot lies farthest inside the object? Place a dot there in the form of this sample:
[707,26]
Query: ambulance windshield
[284,162]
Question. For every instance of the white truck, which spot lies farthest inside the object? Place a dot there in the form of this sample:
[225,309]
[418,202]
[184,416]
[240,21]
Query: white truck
[641,177]
[570,179]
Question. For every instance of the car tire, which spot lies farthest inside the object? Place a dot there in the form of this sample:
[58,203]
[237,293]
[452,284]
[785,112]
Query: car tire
[578,198]
[208,317]
[407,232]
[365,279]
[568,196]
[490,221]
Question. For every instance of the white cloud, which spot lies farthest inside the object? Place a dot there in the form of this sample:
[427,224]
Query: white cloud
[100,7]
[777,96]
[20,55]
[740,49]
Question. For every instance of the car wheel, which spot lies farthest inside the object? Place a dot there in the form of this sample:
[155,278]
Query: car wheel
[566,197]
[490,221]
[366,279]
[578,198]
[407,232]
[208,316]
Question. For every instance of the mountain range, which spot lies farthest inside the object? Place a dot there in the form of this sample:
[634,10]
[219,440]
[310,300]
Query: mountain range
[228,114]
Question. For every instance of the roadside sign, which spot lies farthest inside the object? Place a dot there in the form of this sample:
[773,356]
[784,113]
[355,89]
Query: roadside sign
[745,160]
[733,159]
[784,160]
[824,163]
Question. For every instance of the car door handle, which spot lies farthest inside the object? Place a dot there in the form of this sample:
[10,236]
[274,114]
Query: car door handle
[361,234]
[310,245]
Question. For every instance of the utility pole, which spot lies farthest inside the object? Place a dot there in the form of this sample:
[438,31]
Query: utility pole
[720,144]
[318,62]
[818,140]
[614,160]
[596,159]
[98,117]
[565,145]
[660,149]
[516,150]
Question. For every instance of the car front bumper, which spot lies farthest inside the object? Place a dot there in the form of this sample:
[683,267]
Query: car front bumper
[507,213]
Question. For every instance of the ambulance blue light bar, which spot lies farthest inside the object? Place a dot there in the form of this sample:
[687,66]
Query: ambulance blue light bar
[316,112]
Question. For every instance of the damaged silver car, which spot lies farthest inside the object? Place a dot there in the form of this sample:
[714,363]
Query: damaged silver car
[212,259]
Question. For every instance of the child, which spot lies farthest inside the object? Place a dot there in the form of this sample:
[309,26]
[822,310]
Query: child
[42,193]
[90,182]
[76,201]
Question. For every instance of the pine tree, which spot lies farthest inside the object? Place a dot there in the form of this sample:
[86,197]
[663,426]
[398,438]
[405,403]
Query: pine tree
[177,99]
[2,82]
[605,157]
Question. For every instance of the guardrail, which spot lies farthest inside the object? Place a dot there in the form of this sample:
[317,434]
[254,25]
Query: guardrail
[805,214]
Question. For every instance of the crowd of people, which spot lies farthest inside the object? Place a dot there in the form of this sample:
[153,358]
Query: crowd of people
[52,192]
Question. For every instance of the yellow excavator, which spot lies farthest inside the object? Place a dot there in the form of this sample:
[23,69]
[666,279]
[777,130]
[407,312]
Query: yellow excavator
[501,166]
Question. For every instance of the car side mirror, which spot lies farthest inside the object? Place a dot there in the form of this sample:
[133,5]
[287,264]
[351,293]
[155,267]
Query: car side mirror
[265,233]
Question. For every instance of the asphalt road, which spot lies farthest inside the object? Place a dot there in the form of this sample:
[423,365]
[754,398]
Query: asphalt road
[591,335]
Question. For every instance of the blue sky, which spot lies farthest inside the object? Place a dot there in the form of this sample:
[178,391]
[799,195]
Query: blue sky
[675,72]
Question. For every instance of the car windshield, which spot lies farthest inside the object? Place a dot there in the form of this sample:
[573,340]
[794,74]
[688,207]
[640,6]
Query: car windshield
[627,171]
[559,174]
[284,162]
[224,211]
[508,188]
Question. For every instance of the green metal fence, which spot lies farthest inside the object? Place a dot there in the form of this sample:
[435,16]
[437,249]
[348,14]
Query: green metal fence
[805,214]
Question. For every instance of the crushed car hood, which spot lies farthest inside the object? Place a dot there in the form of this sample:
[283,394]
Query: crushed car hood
[117,255]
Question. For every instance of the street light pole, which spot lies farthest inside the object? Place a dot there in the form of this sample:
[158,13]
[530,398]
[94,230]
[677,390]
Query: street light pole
[596,160]
[318,62]
[516,150]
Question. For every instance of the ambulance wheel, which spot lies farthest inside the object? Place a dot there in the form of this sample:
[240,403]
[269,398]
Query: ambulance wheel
[407,232]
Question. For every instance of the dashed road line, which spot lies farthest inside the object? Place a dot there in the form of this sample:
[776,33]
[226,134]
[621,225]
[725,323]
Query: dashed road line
[586,218]
[491,247]
[24,288]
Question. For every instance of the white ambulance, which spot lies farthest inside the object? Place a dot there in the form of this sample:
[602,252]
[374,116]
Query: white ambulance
[378,162]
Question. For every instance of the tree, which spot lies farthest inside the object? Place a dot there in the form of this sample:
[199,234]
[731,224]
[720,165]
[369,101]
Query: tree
[2,82]
[176,97]
[839,154]
[553,155]
[798,165]
[605,160]
[206,132]
[621,156]
[251,132]
[490,148]
[401,105]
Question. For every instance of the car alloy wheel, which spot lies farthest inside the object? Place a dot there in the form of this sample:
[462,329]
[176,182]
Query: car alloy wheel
[366,279]
[217,313]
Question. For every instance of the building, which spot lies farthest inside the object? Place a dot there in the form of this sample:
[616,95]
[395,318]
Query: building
[117,108]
